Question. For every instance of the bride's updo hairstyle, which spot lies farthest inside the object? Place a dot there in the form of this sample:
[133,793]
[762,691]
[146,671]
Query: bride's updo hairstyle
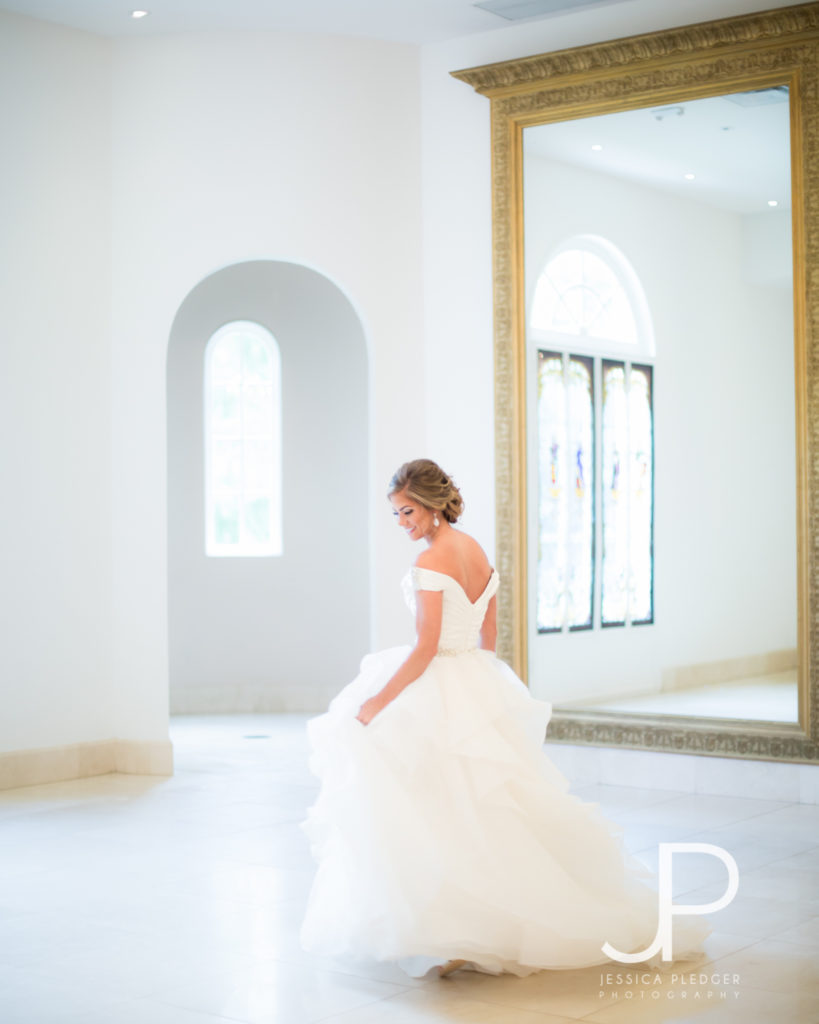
[425,482]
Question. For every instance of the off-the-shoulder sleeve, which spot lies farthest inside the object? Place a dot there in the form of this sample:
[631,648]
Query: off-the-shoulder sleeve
[427,579]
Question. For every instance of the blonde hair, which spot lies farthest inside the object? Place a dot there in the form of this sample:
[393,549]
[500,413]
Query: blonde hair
[425,482]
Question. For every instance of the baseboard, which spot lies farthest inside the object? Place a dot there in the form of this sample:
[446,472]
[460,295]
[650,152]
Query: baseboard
[686,773]
[684,677]
[82,760]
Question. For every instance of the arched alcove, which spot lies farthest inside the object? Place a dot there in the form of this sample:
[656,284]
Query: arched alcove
[282,632]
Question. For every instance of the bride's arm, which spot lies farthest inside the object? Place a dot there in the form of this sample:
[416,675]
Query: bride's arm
[429,606]
[489,629]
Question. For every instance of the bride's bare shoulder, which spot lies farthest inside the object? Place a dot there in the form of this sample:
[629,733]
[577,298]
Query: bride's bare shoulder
[473,550]
[461,549]
[430,559]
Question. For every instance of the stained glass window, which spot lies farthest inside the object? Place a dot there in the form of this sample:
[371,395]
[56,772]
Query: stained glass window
[595,443]
[242,442]
[615,495]
[641,510]
[628,494]
[565,492]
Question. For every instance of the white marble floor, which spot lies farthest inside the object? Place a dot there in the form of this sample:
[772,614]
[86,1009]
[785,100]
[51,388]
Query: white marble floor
[131,900]
[764,698]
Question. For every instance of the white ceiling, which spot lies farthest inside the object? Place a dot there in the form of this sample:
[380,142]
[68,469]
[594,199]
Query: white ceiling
[739,155]
[406,21]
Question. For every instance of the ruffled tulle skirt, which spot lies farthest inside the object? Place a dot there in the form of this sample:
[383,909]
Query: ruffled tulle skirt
[442,830]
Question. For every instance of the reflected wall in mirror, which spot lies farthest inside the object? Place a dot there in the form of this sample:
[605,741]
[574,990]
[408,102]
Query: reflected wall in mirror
[657,384]
[660,378]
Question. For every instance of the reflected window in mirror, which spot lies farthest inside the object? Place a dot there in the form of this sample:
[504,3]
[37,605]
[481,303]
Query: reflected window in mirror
[565,568]
[627,494]
[595,564]
[589,293]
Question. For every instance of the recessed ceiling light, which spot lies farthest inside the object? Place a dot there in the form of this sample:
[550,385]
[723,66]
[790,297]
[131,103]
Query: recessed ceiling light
[597,147]
[661,113]
[689,177]
[139,14]
[773,202]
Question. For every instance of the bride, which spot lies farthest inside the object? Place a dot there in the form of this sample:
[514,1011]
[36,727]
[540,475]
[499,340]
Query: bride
[443,834]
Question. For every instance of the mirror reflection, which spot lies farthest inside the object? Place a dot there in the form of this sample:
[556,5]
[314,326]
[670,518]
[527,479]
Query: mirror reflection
[660,432]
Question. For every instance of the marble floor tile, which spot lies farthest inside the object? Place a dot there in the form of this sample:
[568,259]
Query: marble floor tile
[768,697]
[648,769]
[700,810]
[752,852]
[279,993]
[807,860]
[799,822]
[688,870]
[806,934]
[647,837]
[775,881]
[774,966]
[722,943]
[35,938]
[144,1011]
[132,900]
[569,994]
[618,799]
[754,916]
[37,999]
[442,1005]
[751,1006]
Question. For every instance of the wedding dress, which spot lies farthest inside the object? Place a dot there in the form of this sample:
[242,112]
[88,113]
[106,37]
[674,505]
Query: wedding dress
[442,830]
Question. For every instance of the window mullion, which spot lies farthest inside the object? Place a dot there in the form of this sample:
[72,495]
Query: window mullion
[597,616]
[628,467]
[567,465]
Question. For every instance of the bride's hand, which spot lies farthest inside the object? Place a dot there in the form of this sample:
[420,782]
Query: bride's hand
[368,710]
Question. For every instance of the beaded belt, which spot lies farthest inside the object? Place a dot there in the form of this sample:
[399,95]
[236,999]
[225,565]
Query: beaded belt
[451,652]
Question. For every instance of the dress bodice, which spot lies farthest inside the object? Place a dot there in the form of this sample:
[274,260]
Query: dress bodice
[461,619]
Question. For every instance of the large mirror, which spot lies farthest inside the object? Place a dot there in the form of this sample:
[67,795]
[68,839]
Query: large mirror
[660,458]
[652,255]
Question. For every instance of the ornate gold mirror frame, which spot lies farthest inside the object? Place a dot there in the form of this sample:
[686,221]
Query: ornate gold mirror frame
[749,52]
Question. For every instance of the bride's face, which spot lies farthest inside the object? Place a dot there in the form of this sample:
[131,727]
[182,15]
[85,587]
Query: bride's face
[414,519]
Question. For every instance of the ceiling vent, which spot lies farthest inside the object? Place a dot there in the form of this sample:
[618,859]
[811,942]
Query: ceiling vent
[518,10]
[760,97]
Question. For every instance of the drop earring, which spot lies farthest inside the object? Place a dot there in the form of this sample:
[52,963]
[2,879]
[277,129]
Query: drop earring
[435,521]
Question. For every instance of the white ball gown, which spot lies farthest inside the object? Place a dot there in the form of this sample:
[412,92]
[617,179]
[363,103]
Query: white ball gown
[443,831]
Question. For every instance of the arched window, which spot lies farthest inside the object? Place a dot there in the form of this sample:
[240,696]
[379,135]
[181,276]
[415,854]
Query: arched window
[595,440]
[243,442]
[589,296]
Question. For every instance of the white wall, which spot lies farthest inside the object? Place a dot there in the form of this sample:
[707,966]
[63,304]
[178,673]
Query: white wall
[725,474]
[55,516]
[239,146]
[225,147]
